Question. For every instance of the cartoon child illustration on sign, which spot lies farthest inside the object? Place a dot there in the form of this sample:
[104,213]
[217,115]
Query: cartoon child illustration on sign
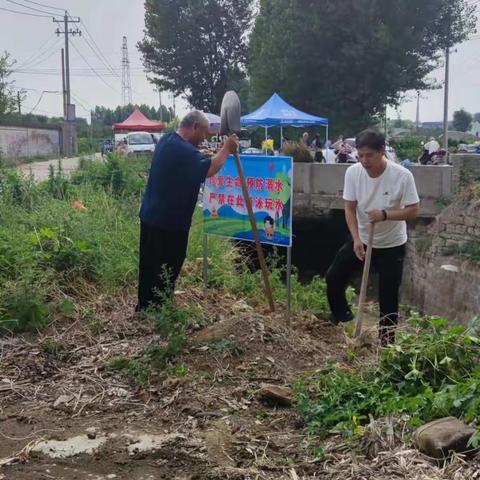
[213,211]
[269,226]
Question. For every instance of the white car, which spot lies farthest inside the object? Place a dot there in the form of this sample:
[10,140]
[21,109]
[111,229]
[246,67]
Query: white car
[140,142]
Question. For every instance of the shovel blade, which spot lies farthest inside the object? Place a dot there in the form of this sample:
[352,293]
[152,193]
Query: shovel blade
[230,114]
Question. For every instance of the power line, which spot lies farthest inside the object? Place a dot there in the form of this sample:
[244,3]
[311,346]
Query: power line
[45,6]
[92,69]
[29,8]
[40,60]
[24,13]
[36,53]
[38,103]
[80,103]
[105,60]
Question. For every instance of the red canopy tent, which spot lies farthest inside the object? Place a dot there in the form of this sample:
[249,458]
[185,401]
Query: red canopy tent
[138,122]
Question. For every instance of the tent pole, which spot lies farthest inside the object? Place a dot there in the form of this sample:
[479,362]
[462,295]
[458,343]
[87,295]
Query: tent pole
[281,138]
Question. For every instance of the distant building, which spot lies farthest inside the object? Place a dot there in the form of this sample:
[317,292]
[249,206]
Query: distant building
[431,124]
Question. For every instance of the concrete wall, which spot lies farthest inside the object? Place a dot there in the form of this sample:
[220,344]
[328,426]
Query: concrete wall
[464,165]
[25,142]
[435,291]
[318,186]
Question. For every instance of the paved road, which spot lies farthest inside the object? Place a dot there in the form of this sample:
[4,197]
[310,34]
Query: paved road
[40,169]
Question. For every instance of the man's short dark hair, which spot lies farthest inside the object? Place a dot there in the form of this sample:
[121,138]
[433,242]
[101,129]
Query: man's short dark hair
[370,139]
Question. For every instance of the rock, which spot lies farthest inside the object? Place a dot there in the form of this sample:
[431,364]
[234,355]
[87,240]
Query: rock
[275,395]
[62,401]
[437,439]
[91,433]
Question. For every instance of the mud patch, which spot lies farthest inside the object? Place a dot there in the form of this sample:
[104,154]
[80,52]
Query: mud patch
[70,447]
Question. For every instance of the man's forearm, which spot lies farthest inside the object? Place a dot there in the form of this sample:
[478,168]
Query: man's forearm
[352,224]
[218,161]
[403,214]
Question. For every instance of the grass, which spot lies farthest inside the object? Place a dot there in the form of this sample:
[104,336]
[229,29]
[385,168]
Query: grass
[66,239]
[469,250]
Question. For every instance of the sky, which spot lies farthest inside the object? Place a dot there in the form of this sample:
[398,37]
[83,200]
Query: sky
[32,42]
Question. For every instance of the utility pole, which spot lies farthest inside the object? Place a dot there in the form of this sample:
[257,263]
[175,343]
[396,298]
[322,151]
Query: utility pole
[386,122]
[417,120]
[161,107]
[69,109]
[64,89]
[126,79]
[445,106]
[19,103]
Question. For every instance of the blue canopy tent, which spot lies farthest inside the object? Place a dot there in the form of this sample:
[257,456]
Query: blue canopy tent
[276,112]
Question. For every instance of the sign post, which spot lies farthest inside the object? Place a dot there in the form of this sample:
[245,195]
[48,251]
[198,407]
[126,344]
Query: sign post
[269,184]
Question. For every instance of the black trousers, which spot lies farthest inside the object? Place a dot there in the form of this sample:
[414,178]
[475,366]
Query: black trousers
[162,254]
[388,263]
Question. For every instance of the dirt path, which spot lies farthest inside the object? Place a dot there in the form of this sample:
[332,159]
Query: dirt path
[40,169]
[200,419]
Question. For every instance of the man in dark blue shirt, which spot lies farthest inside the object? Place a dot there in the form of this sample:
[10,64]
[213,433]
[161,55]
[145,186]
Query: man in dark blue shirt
[177,171]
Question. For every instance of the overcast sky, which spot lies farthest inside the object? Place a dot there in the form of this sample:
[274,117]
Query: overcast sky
[107,21]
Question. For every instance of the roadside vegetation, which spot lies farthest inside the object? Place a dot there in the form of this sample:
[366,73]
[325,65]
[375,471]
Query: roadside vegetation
[431,372]
[67,242]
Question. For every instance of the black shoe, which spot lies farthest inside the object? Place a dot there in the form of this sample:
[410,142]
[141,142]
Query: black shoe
[345,318]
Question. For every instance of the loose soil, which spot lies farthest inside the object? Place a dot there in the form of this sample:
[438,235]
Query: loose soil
[64,415]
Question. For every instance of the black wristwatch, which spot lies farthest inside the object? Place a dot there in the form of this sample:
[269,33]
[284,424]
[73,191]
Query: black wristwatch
[384,215]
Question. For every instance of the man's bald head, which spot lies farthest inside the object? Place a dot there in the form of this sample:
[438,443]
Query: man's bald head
[194,127]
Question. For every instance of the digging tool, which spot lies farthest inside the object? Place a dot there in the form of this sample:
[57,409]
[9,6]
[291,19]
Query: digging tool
[363,288]
[230,123]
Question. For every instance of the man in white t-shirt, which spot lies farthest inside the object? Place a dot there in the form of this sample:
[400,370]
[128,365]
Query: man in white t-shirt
[381,192]
[432,146]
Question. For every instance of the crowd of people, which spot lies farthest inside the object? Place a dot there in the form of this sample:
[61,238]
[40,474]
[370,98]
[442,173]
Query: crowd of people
[342,151]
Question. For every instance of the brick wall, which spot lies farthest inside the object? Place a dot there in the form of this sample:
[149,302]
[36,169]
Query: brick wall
[434,290]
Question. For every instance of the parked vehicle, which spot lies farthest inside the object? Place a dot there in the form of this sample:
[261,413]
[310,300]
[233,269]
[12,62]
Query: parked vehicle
[252,151]
[140,142]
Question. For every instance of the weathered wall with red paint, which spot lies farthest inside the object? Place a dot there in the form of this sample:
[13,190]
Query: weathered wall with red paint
[26,142]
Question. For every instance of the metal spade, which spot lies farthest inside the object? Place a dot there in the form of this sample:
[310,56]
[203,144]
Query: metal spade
[230,123]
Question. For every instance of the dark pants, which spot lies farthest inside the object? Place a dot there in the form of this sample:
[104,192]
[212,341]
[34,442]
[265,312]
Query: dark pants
[388,263]
[162,254]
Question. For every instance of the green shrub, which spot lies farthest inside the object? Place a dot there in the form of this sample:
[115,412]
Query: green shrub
[408,147]
[23,304]
[431,372]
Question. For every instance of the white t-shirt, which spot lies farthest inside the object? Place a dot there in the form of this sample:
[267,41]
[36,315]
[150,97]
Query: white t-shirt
[393,189]
[432,146]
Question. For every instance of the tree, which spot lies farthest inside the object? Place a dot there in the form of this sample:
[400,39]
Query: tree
[348,59]
[476,117]
[462,120]
[8,97]
[196,48]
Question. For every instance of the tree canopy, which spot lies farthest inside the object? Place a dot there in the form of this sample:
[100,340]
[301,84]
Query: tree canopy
[348,59]
[196,48]
[462,120]
[8,97]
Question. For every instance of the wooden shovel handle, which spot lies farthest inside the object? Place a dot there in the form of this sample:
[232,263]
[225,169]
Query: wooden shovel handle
[256,237]
[363,288]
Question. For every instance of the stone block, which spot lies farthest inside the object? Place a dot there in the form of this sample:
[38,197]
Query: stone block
[275,395]
[470,221]
[439,438]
